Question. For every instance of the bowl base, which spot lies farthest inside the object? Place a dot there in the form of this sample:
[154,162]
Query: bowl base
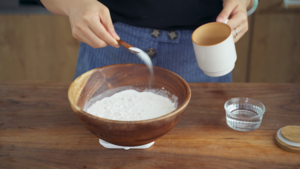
[113,146]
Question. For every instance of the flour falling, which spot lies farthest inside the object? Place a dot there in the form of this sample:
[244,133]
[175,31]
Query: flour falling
[146,59]
[130,105]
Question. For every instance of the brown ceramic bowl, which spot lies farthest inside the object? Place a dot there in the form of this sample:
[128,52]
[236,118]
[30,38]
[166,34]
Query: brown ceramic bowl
[127,133]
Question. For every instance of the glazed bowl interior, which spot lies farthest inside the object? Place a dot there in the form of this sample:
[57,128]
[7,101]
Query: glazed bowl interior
[108,80]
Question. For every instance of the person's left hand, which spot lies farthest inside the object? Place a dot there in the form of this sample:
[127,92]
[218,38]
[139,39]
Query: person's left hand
[236,12]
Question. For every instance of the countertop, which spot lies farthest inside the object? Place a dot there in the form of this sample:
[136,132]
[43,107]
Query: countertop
[38,129]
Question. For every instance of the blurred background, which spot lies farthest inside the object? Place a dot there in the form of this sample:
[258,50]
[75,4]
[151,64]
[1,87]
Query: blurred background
[36,45]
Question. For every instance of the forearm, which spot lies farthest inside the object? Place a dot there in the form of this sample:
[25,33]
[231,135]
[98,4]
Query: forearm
[59,7]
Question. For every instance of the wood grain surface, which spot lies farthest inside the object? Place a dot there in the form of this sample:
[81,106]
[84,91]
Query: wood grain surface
[275,46]
[39,130]
[243,46]
[37,47]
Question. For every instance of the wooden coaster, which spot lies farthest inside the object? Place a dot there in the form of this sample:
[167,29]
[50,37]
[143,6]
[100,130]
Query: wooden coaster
[291,133]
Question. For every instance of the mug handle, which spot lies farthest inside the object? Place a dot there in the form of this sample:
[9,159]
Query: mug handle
[226,21]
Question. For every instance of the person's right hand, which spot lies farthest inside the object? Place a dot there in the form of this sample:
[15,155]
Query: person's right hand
[91,23]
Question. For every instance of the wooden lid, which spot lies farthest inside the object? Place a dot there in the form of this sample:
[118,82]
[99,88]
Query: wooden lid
[291,133]
[286,144]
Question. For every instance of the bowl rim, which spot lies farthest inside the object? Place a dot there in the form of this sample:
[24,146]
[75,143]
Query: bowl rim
[179,109]
[246,99]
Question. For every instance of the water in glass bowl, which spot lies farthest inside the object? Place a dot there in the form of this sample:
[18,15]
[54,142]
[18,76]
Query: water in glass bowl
[243,117]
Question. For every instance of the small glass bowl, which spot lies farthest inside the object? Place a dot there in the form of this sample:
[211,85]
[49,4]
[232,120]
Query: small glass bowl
[244,114]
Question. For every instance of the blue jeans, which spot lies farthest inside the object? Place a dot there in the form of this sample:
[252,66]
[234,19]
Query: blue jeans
[175,55]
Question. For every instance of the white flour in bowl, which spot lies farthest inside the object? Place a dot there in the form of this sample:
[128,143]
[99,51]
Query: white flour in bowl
[130,105]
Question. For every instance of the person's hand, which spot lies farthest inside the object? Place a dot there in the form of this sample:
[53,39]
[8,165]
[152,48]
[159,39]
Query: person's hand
[236,12]
[91,23]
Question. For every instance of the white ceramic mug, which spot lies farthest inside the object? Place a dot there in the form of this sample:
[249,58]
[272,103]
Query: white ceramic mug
[214,48]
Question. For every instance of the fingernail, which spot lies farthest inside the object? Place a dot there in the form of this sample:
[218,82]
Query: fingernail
[116,36]
[117,46]
[220,19]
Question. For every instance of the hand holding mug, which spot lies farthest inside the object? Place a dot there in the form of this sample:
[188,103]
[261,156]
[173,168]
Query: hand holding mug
[236,10]
[214,48]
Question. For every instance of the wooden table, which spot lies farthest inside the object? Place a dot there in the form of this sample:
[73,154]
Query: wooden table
[39,130]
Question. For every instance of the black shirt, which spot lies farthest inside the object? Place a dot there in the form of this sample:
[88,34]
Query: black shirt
[164,14]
